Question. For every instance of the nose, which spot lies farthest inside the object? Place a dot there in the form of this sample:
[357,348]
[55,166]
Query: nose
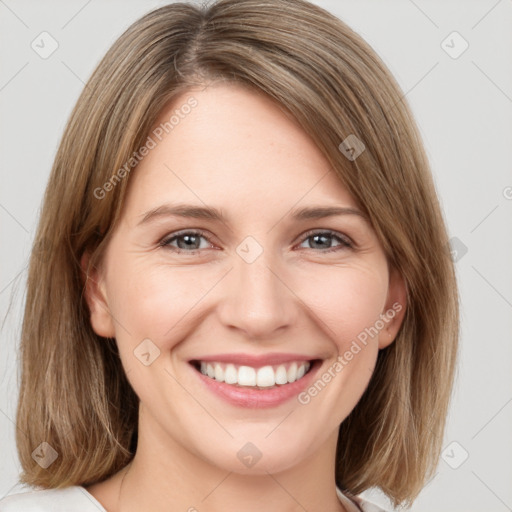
[257,299]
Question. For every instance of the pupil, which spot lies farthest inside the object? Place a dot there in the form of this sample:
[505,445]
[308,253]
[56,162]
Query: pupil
[190,241]
[315,237]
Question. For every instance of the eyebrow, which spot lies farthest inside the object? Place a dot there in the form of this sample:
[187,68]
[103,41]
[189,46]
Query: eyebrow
[212,213]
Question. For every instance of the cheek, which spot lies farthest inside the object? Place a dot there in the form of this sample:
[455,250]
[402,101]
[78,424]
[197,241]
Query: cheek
[160,304]
[157,302]
[345,300]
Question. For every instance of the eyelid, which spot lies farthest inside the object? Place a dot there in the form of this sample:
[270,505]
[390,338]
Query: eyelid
[345,240]
[165,241]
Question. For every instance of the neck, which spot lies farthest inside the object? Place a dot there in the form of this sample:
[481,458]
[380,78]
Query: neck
[165,476]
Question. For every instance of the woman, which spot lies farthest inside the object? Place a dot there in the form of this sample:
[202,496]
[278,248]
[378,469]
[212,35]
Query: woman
[190,343]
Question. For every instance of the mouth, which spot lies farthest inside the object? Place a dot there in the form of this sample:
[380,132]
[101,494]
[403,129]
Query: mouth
[256,381]
[257,376]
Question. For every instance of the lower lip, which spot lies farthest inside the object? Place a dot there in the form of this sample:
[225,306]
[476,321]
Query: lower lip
[258,398]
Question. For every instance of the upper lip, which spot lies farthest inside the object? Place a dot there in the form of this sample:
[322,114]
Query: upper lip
[256,361]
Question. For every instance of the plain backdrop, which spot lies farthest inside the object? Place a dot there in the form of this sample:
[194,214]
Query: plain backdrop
[453,60]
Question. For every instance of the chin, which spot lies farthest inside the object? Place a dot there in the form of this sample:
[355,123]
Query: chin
[253,458]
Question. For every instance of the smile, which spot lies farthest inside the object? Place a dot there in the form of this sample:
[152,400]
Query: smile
[256,380]
[264,377]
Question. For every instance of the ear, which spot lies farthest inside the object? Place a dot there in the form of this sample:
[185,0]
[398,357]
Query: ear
[394,310]
[96,297]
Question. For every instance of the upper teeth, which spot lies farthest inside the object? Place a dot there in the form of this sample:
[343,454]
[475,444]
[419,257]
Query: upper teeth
[266,376]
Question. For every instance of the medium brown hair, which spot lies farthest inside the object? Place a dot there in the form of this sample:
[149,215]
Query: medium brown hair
[74,393]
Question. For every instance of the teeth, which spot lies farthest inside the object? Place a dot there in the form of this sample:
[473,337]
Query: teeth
[292,373]
[219,373]
[281,376]
[264,377]
[230,375]
[246,376]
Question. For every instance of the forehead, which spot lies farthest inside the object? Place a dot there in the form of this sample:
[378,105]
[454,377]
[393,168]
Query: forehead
[234,146]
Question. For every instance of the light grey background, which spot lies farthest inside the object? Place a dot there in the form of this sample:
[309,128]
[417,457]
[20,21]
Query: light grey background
[464,109]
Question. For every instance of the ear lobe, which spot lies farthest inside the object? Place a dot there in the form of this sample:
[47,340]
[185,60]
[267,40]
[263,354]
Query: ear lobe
[394,310]
[96,297]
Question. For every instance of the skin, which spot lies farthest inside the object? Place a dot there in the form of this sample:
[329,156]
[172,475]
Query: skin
[239,152]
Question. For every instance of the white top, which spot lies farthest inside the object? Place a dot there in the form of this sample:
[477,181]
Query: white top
[76,498]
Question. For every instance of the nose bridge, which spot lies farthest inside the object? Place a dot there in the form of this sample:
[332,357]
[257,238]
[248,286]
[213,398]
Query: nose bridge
[258,301]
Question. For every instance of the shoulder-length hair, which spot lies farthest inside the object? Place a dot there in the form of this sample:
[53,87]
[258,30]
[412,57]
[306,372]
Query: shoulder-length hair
[74,394]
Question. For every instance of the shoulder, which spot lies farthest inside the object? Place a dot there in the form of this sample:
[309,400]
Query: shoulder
[367,506]
[356,503]
[66,499]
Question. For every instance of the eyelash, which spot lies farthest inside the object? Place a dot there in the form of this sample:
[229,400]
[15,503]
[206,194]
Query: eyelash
[345,242]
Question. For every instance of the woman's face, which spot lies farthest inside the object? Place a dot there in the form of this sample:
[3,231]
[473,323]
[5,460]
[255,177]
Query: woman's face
[256,291]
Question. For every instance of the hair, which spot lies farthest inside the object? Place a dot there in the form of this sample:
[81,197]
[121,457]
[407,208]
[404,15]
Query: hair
[74,394]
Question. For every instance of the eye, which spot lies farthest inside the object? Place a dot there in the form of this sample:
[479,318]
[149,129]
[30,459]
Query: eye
[322,240]
[190,241]
[186,241]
